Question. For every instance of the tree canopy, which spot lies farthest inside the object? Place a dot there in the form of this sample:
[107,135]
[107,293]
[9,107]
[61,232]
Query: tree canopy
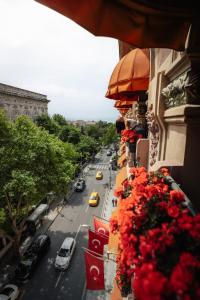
[33,163]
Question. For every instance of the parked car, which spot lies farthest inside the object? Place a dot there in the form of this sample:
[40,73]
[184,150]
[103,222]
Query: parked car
[109,153]
[94,199]
[99,175]
[79,185]
[31,257]
[9,292]
[64,255]
[33,222]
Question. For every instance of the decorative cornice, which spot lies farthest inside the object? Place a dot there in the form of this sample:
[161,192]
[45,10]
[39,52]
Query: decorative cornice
[14,91]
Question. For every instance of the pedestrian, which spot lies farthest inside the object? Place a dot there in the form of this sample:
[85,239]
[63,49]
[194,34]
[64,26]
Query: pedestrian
[116,202]
[113,202]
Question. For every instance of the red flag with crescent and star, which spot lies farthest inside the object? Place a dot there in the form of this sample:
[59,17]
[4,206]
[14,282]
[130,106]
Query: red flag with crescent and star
[94,266]
[97,241]
[101,227]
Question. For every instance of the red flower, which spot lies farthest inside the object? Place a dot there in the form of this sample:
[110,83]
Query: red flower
[184,274]
[149,283]
[176,196]
[173,211]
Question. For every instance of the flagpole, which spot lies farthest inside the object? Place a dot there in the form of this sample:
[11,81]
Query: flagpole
[101,218]
[103,235]
[95,255]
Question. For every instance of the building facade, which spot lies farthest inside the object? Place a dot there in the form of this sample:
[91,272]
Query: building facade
[16,102]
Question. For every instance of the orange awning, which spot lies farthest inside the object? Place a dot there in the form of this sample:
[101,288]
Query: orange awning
[130,76]
[123,103]
[121,176]
[123,111]
[142,23]
[114,238]
[122,148]
[121,160]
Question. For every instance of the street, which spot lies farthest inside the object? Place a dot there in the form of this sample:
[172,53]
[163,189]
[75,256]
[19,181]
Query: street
[49,283]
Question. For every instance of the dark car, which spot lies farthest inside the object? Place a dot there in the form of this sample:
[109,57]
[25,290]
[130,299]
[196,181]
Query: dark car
[109,152]
[31,257]
[79,185]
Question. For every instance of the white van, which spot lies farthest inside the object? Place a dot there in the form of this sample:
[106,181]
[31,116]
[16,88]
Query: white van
[65,253]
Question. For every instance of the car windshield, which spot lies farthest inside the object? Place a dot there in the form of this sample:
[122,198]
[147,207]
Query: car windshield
[23,267]
[93,197]
[63,252]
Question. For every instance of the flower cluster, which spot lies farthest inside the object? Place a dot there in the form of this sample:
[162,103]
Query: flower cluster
[130,136]
[159,240]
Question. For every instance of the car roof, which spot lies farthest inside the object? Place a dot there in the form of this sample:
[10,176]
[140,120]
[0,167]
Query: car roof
[67,242]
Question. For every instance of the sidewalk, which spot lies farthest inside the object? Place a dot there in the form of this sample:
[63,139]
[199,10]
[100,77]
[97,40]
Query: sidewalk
[109,265]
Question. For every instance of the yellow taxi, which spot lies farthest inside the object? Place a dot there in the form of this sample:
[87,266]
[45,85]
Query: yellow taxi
[94,199]
[99,175]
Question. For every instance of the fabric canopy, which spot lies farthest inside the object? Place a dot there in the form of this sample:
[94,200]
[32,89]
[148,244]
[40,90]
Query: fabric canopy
[121,176]
[122,160]
[142,23]
[130,76]
[123,111]
[123,104]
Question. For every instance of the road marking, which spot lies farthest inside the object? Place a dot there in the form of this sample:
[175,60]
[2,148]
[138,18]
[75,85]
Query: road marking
[87,208]
[58,279]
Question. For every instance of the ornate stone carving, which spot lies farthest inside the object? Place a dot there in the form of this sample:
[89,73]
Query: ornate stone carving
[185,89]
[174,94]
[153,135]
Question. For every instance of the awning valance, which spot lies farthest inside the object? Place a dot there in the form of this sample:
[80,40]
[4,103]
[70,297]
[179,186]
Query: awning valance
[123,111]
[124,103]
[130,76]
[122,160]
[142,23]
[121,176]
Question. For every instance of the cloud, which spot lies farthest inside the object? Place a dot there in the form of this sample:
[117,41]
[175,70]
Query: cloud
[44,51]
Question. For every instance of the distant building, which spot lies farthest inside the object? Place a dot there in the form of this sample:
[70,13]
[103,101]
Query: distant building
[16,102]
[81,123]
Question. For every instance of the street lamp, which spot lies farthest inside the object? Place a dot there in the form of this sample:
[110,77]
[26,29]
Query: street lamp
[84,226]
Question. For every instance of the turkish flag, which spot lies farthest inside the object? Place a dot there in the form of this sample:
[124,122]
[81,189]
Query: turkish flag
[101,227]
[94,272]
[97,241]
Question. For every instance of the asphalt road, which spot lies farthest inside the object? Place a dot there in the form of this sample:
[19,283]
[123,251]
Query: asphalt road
[48,283]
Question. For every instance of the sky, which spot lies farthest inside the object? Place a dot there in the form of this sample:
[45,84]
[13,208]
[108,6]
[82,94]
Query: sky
[45,52]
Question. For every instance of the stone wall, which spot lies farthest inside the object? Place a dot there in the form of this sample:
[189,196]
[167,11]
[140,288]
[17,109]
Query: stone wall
[16,102]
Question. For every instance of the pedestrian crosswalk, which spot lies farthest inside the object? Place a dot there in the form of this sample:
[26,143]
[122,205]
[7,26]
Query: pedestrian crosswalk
[98,166]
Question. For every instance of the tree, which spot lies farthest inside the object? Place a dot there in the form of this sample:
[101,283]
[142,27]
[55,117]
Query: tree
[110,135]
[59,119]
[48,123]
[87,147]
[33,163]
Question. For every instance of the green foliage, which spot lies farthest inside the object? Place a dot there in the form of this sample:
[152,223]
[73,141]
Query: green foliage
[110,135]
[87,147]
[48,123]
[59,119]
[33,163]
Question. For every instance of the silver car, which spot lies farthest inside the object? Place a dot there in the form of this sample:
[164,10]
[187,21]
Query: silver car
[65,253]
